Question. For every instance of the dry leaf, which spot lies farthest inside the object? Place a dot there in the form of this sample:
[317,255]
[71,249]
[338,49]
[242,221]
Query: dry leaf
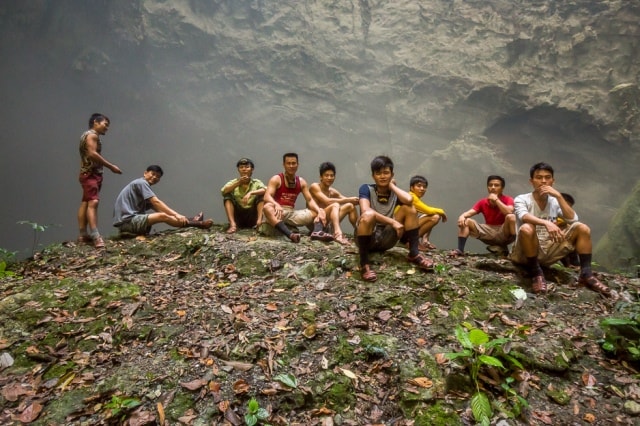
[588,380]
[241,386]
[422,382]
[160,409]
[30,413]
[589,418]
[240,366]
[385,315]
[194,384]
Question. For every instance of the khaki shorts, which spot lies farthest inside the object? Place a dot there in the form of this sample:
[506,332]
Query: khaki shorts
[293,217]
[491,234]
[138,225]
[549,252]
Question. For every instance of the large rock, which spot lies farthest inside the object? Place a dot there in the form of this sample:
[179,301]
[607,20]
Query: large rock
[619,249]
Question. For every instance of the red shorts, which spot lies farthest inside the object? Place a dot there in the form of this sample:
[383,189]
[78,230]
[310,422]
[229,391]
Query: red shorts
[91,185]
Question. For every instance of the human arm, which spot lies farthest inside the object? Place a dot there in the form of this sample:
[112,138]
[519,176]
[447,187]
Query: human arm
[505,208]
[568,214]
[93,154]
[311,203]
[160,206]
[403,196]
[462,219]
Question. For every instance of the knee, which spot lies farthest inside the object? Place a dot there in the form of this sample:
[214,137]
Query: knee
[527,231]
[583,229]
[510,218]
[367,217]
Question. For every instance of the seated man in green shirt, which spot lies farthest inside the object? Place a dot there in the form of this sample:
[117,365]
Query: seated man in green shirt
[242,196]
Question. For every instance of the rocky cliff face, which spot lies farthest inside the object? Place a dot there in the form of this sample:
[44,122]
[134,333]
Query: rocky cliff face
[454,90]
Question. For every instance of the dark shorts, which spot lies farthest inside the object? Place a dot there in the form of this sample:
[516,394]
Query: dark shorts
[384,237]
[91,185]
[245,218]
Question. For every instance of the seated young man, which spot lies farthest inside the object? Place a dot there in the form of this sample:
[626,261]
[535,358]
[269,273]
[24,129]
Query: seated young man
[386,215]
[135,199]
[242,197]
[335,205]
[540,241]
[499,229]
[280,200]
[428,217]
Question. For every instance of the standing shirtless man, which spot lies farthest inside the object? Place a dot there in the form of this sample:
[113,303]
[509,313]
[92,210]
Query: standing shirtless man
[91,165]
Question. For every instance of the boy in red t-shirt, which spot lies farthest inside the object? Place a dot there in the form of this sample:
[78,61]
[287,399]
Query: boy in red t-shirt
[499,229]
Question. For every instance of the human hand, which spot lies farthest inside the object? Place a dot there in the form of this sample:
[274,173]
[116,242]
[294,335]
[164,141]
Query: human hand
[398,227]
[444,217]
[182,219]
[245,179]
[555,233]
[462,221]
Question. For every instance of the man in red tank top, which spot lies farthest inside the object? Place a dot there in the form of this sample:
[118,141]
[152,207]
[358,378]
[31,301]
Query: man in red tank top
[280,199]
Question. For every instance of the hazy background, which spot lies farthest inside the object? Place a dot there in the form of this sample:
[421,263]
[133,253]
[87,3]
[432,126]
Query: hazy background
[195,85]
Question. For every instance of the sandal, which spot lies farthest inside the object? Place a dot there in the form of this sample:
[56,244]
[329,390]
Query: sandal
[428,245]
[455,253]
[538,284]
[232,229]
[594,284]
[199,217]
[98,242]
[321,236]
[368,274]
[295,237]
[421,261]
[340,239]
[84,239]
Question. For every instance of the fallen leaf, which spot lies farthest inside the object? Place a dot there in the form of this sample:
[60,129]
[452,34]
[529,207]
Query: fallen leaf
[588,380]
[240,366]
[160,409]
[422,382]
[194,384]
[30,413]
[241,386]
[385,315]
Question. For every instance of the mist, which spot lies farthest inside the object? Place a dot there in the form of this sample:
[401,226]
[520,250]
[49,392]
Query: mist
[197,115]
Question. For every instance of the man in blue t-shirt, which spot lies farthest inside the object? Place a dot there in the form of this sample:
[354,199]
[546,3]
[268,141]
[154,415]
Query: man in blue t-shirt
[129,213]
[387,215]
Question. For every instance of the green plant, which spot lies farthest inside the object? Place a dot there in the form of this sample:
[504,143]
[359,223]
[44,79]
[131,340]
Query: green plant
[6,257]
[255,413]
[622,337]
[516,401]
[477,354]
[119,405]
[441,268]
[37,228]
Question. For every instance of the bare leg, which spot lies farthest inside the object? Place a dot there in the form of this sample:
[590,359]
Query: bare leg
[230,211]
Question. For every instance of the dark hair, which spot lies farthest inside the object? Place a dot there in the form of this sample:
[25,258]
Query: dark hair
[289,154]
[568,198]
[540,166]
[418,179]
[381,162]
[496,177]
[97,118]
[326,166]
[245,161]
[155,168]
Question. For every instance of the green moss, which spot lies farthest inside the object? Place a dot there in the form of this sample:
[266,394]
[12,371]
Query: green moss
[436,414]
[182,401]
[59,408]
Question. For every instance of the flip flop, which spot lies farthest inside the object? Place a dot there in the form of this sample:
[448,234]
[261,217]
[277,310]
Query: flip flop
[232,230]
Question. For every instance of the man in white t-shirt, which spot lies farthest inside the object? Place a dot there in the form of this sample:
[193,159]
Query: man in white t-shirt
[539,239]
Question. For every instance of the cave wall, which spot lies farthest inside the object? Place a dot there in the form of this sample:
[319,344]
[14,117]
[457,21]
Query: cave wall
[454,90]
